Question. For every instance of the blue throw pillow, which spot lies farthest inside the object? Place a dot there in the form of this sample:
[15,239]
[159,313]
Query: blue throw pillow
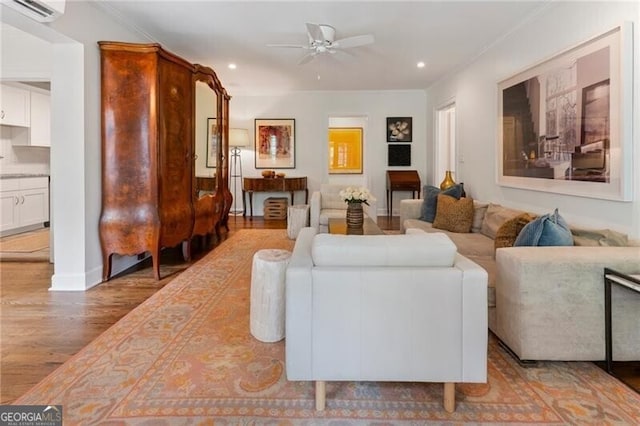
[430,203]
[547,230]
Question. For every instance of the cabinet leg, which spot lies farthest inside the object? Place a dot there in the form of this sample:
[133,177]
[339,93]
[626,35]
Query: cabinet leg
[186,250]
[155,258]
[106,267]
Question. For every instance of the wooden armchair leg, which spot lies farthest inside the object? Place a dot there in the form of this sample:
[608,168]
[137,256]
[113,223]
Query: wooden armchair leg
[449,397]
[320,395]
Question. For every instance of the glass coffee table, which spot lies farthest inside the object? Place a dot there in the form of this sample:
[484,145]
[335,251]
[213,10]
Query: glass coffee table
[339,226]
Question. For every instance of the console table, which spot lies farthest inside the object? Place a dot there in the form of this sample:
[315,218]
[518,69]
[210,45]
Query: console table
[631,282]
[286,184]
[401,180]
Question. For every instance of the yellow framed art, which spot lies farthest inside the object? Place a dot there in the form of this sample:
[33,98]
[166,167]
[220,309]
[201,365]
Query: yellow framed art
[345,150]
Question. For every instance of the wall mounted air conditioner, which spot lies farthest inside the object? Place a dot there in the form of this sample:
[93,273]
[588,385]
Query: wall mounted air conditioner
[40,10]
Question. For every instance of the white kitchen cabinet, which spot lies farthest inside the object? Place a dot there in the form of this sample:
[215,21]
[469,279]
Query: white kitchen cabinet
[40,128]
[39,131]
[24,203]
[15,106]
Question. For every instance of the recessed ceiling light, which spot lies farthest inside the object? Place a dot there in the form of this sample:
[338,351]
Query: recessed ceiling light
[421,64]
[232,66]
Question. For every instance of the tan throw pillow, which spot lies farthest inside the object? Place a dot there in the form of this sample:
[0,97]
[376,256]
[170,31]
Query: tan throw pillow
[454,215]
[495,216]
[599,237]
[508,232]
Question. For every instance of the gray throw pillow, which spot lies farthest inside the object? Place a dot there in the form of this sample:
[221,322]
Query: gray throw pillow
[430,203]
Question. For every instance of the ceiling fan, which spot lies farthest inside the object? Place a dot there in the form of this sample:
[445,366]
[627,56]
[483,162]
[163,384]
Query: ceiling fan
[322,40]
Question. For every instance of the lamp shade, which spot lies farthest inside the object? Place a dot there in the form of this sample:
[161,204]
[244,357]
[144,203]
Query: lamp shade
[238,137]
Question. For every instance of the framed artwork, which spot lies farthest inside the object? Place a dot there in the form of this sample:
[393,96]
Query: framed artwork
[345,150]
[564,125]
[399,155]
[399,129]
[212,142]
[275,145]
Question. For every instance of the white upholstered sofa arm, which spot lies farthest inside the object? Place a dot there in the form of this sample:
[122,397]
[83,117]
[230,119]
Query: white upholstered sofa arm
[409,209]
[314,209]
[299,289]
[563,288]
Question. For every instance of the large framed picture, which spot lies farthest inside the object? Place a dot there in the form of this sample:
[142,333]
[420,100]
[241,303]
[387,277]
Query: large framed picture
[212,142]
[345,150]
[275,143]
[399,129]
[564,125]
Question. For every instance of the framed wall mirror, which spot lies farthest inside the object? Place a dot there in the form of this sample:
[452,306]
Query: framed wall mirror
[206,128]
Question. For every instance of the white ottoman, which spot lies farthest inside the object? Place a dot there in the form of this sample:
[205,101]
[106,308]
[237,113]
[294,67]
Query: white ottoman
[297,218]
[266,315]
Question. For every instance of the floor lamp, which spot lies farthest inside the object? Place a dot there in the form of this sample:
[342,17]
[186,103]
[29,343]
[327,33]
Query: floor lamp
[237,138]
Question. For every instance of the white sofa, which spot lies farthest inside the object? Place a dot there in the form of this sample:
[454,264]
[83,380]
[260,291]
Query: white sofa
[327,203]
[384,308]
[547,303]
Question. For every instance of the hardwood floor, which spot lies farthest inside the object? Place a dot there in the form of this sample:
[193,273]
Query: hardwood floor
[41,329]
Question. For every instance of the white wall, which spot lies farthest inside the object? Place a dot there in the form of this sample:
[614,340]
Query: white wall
[312,111]
[559,26]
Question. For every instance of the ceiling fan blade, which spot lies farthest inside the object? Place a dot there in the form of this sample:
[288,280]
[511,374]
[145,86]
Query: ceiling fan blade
[315,32]
[307,58]
[295,46]
[354,41]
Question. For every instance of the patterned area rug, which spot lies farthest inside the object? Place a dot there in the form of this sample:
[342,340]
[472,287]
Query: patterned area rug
[185,356]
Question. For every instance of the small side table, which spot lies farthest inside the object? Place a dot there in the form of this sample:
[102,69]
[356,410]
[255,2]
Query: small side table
[631,282]
[267,307]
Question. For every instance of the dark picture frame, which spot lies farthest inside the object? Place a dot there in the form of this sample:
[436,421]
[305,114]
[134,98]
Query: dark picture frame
[212,142]
[399,155]
[275,143]
[399,129]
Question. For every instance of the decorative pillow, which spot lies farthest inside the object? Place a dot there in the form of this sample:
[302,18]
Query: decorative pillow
[508,232]
[547,230]
[479,210]
[494,217]
[599,237]
[430,203]
[454,215]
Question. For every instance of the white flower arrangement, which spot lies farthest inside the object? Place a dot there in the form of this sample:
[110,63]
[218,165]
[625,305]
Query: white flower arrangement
[355,195]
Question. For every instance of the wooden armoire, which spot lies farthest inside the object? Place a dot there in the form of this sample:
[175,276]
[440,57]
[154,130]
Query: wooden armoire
[149,199]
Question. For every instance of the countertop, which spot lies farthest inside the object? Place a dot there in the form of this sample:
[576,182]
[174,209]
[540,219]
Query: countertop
[22,175]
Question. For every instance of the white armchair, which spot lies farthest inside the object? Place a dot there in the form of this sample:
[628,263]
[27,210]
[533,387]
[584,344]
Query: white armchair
[326,204]
[384,308]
